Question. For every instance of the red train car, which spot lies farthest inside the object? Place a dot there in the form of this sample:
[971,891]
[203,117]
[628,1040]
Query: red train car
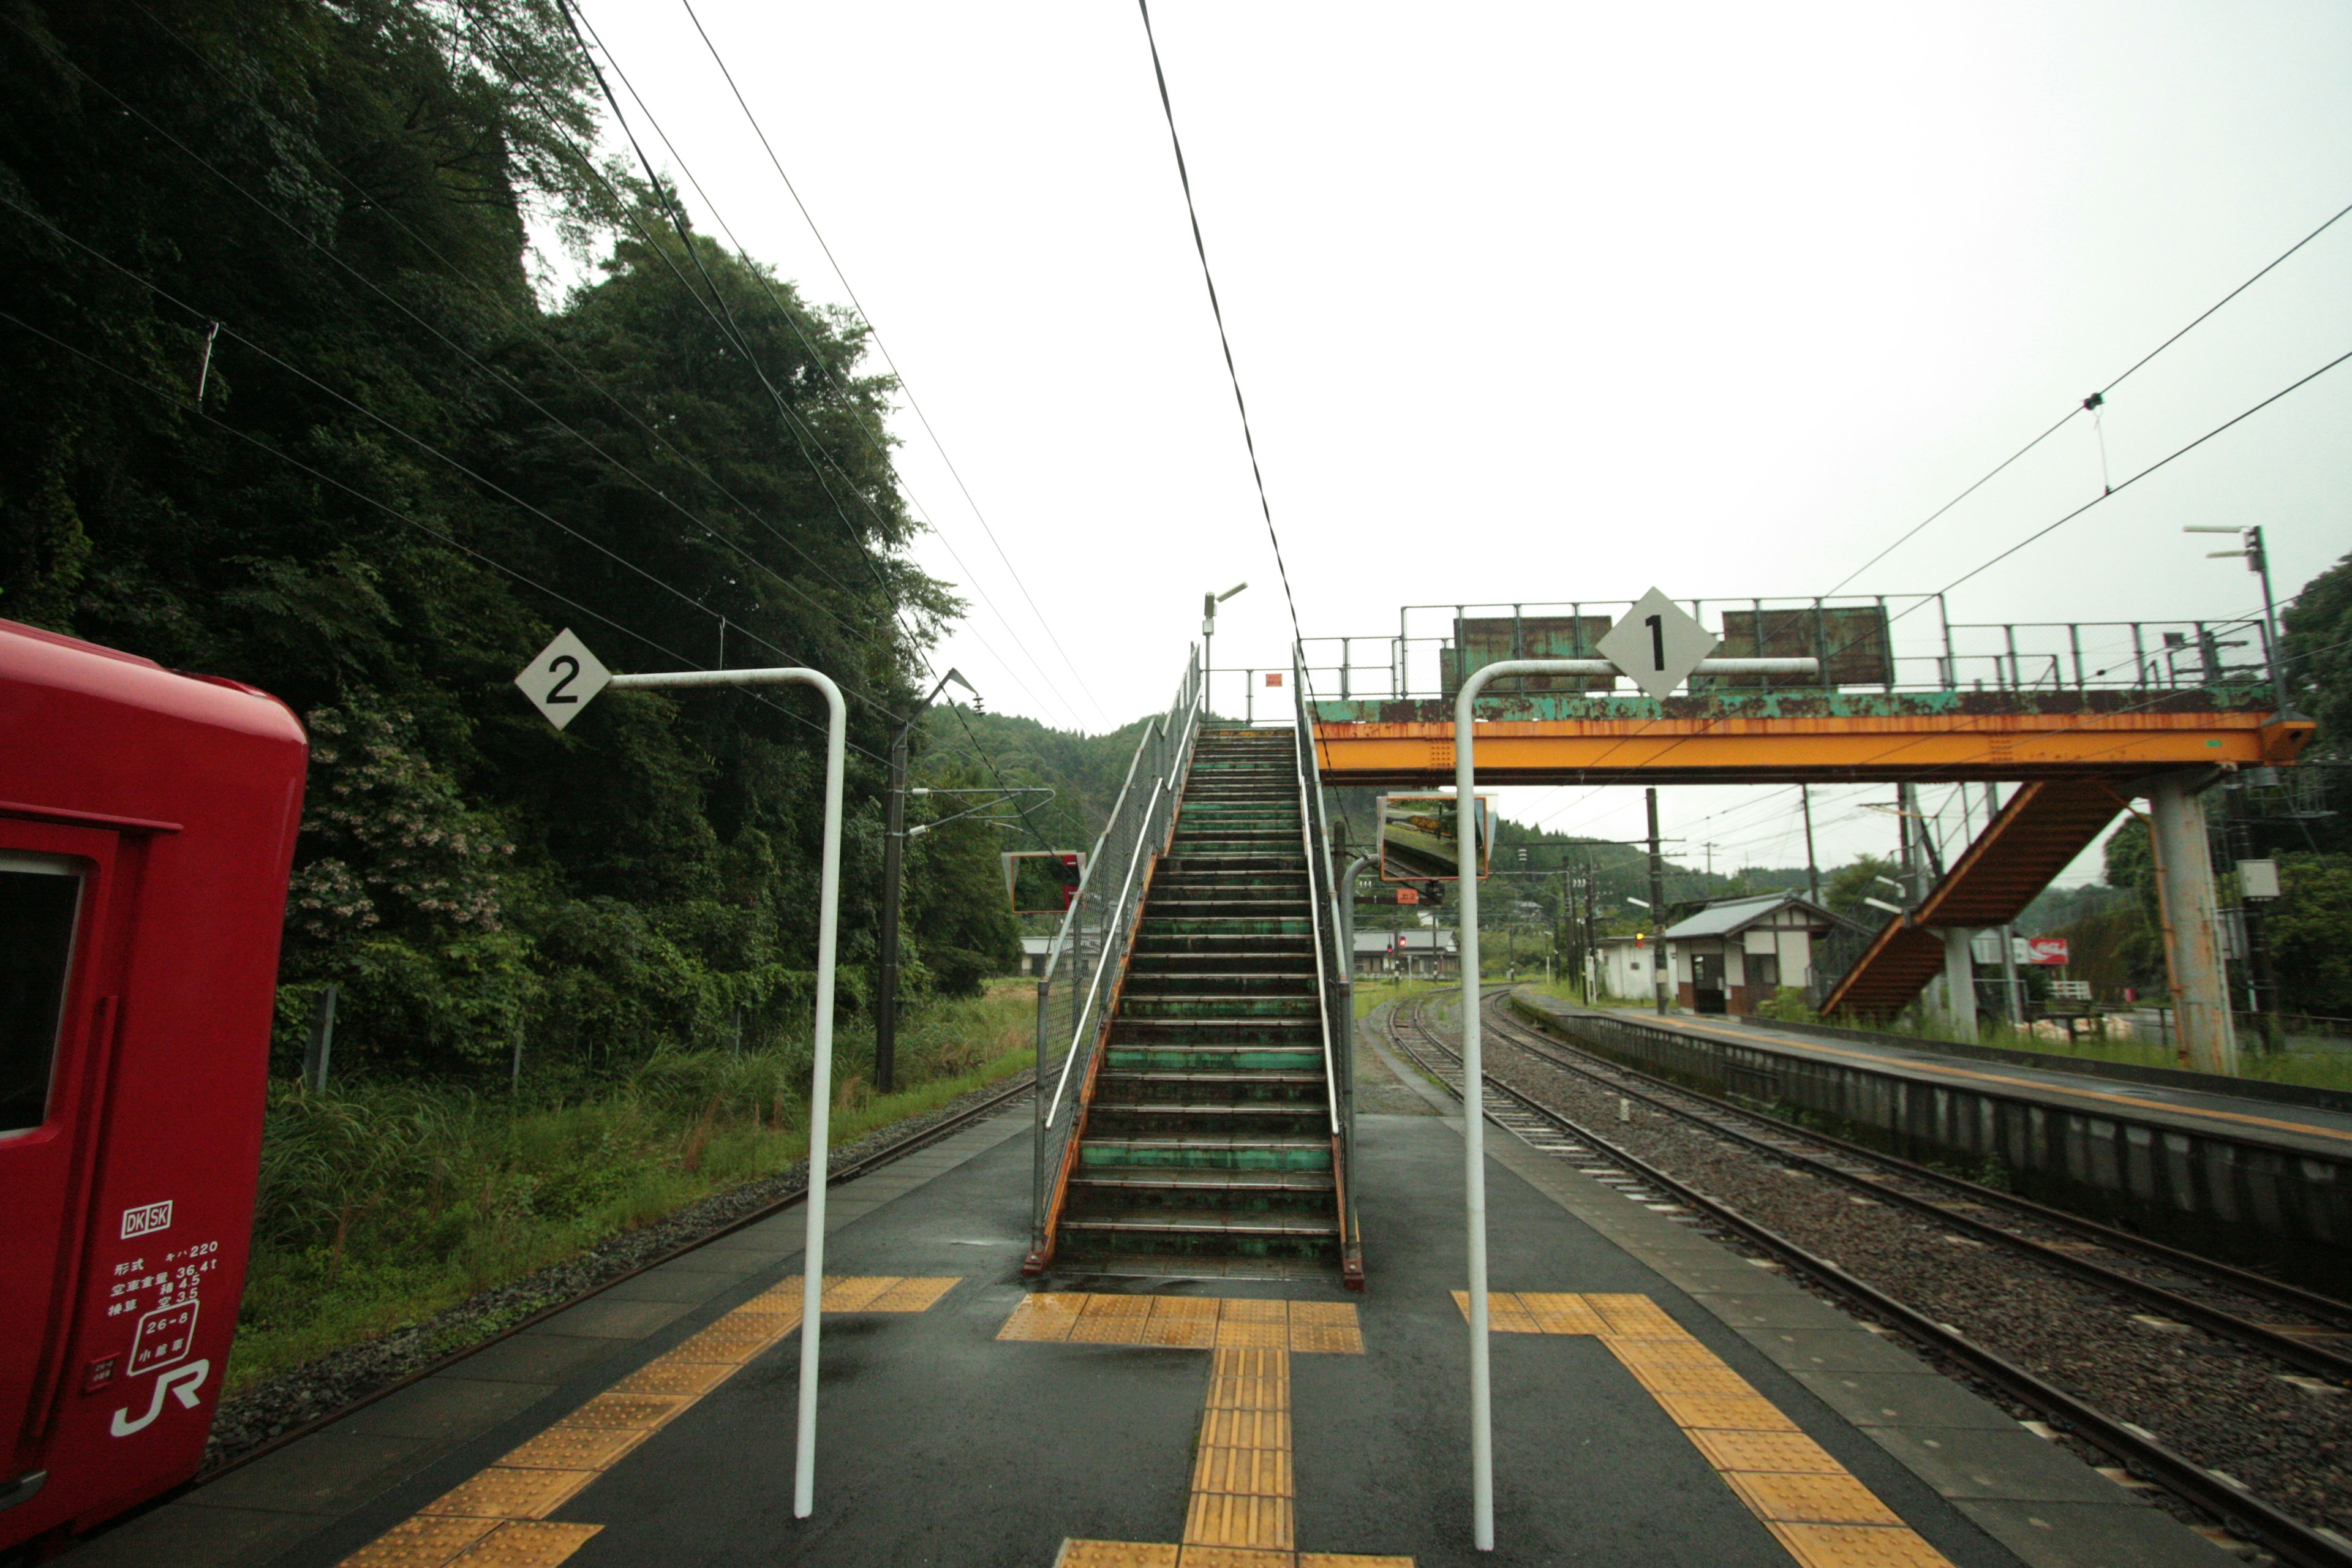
[147,823]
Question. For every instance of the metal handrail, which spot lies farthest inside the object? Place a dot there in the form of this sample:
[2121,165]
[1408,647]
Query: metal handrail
[1334,969]
[1095,931]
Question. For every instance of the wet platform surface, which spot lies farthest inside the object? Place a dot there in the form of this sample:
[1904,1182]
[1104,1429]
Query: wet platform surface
[1658,1401]
[2302,1128]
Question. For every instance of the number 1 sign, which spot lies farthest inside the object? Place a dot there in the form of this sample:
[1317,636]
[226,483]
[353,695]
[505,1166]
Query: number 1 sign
[1657,645]
[563,678]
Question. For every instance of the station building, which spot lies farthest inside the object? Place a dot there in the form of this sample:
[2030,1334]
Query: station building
[1736,953]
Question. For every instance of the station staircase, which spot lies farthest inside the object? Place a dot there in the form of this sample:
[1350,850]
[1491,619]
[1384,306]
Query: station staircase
[1206,1144]
[2033,838]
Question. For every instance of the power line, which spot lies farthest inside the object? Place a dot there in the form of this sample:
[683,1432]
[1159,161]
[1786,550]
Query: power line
[742,343]
[271,212]
[1201,248]
[904,385]
[2091,403]
[175,400]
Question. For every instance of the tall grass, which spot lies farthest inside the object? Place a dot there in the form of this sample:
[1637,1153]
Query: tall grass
[381,1203]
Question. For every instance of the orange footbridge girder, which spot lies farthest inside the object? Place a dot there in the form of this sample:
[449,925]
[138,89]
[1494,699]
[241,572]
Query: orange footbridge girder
[2075,754]
[1410,745]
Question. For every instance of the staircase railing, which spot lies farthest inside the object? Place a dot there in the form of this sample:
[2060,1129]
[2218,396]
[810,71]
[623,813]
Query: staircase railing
[1333,973]
[1078,989]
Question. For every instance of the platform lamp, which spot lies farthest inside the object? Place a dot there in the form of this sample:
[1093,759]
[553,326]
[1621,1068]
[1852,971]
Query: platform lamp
[1209,602]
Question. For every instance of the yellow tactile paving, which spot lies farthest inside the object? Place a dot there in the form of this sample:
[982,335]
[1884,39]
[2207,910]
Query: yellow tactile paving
[526,1544]
[1247,1472]
[1049,1317]
[503,1491]
[856,1292]
[1636,1317]
[1504,1313]
[1233,1519]
[1810,1499]
[1117,1553]
[566,1448]
[1181,1322]
[1822,1514]
[1112,1320]
[1241,1513]
[424,1542]
[1751,1413]
[1557,1312]
[1187,1322]
[1253,1325]
[912,1295]
[1234,1557]
[665,1374]
[1856,1546]
[496,1518]
[1787,1453]
[1325,1328]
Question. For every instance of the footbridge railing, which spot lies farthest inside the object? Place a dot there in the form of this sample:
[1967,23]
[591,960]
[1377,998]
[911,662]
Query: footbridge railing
[1077,990]
[1333,973]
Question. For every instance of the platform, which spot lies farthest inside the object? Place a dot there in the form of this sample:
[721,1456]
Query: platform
[2302,1130]
[1659,1400]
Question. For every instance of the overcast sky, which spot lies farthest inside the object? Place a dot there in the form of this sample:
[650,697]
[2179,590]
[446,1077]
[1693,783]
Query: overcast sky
[1551,302]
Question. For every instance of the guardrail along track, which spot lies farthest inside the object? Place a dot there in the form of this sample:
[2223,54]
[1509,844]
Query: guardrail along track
[2268,1524]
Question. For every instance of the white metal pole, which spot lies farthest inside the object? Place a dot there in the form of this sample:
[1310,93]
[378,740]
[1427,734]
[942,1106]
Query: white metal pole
[1473,1113]
[828,931]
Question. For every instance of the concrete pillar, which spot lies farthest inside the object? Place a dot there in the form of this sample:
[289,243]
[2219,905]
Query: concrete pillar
[1959,983]
[2192,945]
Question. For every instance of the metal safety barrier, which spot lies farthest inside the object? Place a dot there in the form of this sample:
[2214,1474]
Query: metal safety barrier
[1077,990]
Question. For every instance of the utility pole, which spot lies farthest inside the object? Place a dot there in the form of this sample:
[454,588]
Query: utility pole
[1812,866]
[2261,969]
[1657,911]
[2010,986]
[894,857]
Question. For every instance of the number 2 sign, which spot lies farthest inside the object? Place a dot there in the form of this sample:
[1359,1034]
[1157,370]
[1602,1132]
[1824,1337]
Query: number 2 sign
[563,678]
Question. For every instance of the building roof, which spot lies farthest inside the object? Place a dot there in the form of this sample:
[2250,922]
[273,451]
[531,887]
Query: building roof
[1728,917]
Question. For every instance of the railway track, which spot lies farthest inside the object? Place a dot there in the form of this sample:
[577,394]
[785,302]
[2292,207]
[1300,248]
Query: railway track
[873,1159]
[2166,1276]
[2271,1527]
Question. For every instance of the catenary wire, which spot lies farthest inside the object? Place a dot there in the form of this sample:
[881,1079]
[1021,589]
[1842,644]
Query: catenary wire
[873,437]
[2091,403]
[177,401]
[875,332]
[1201,248]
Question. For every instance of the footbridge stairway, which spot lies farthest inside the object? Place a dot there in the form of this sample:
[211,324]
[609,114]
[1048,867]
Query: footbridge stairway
[2044,825]
[1206,1133]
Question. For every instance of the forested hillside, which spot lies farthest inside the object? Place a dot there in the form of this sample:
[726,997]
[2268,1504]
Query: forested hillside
[285,396]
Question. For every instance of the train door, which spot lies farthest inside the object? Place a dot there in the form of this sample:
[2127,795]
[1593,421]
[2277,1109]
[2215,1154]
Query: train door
[53,882]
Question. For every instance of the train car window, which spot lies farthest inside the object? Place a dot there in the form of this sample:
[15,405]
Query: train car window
[39,895]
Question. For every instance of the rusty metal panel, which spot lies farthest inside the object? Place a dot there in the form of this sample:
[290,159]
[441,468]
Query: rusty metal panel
[1484,640]
[1851,641]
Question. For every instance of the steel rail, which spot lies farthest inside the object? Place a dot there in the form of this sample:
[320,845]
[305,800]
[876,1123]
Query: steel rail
[862,1166]
[2253,1335]
[2269,1526]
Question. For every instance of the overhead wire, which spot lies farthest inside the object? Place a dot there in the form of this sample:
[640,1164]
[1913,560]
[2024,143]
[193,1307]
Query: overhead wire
[586,34]
[186,406]
[431,449]
[1225,341]
[2092,403]
[270,211]
[904,387]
